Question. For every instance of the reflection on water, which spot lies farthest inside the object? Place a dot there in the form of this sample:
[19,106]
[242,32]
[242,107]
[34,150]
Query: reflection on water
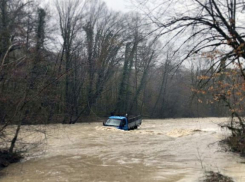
[160,150]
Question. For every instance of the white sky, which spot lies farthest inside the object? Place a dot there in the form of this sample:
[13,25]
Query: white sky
[118,5]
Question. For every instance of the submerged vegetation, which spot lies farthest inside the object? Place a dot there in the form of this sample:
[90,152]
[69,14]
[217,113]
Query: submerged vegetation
[216,177]
[7,158]
[236,144]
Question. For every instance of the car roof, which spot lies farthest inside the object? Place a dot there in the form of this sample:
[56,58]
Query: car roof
[117,117]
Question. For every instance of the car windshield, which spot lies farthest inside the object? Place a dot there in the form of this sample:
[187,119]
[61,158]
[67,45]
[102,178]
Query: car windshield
[113,122]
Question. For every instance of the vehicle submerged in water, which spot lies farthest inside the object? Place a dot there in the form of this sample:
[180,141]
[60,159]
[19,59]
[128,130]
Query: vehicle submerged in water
[123,122]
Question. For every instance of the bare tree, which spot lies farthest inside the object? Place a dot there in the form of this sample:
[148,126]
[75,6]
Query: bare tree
[147,55]
[70,20]
[209,28]
[104,32]
[163,85]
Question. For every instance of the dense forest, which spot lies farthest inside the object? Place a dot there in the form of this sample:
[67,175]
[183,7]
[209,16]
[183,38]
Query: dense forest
[76,61]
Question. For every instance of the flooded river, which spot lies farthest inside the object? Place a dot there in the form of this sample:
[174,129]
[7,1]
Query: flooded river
[171,150]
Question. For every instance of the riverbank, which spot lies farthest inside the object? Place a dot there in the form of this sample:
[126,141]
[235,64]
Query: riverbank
[216,177]
[236,144]
[7,158]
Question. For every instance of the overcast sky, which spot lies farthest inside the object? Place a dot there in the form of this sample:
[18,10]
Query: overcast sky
[118,5]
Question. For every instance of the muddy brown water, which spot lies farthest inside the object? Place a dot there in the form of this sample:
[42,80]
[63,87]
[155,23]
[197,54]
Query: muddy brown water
[171,150]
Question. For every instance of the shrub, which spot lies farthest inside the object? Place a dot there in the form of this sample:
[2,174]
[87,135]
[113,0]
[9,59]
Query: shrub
[216,177]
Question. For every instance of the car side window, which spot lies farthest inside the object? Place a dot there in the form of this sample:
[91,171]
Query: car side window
[123,122]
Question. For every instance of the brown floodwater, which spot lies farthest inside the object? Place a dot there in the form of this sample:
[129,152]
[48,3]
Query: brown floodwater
[171,150]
